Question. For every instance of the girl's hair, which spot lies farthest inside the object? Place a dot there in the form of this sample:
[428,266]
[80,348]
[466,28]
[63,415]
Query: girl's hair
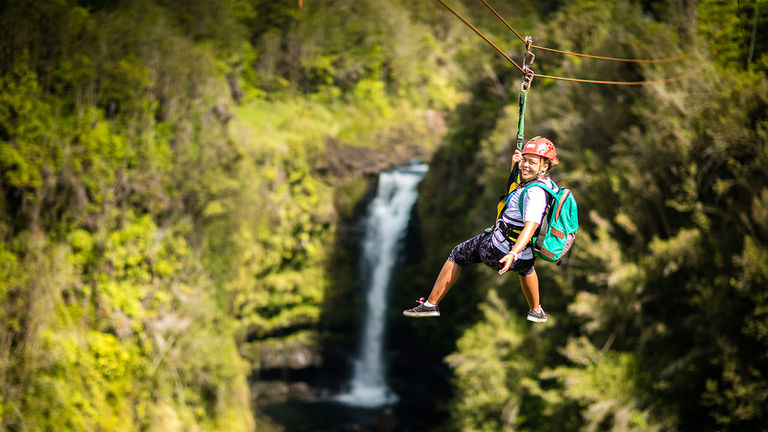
[550,165]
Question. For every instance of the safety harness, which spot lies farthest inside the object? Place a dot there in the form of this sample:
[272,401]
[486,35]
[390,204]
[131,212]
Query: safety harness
[512,231]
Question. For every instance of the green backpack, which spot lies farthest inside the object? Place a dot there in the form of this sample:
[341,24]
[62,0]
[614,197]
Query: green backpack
[559,225]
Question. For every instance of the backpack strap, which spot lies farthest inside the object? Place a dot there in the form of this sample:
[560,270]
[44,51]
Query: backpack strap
[513,182]
[551,194]
[511,231]
[538,240]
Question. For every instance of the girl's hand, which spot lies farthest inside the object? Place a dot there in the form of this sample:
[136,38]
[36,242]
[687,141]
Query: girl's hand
[517,158]
[508,260]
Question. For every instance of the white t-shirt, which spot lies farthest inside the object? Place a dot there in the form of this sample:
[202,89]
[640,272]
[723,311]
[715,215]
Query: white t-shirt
[534,206]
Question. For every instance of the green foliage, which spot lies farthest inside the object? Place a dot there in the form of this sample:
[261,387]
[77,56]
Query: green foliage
[22,127]
[604,385]
[85,384]
[732,32]
[167,214]
[491,366]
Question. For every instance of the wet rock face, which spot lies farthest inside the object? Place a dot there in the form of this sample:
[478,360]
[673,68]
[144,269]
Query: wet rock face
[343,159]
[391,150]
[276,391]
[289,356]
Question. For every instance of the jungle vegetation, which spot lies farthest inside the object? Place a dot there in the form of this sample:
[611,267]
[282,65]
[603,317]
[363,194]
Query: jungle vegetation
[177,180]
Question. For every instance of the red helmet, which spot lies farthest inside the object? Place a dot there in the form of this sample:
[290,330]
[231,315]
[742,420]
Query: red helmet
[543,147]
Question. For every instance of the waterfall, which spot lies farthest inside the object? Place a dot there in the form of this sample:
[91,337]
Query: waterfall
[386,224]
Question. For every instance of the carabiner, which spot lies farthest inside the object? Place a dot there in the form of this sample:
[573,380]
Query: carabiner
[529,56]
[528,59]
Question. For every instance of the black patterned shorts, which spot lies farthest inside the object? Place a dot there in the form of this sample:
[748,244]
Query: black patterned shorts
[480,249]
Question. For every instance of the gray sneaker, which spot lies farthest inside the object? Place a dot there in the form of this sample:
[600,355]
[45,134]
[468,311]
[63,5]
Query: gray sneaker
[539,316]
[422,311]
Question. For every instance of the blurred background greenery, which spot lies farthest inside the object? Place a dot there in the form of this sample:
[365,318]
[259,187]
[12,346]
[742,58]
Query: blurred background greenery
[182,183]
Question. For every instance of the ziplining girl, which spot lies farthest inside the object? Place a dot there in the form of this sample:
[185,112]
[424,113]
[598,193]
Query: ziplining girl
[507,245]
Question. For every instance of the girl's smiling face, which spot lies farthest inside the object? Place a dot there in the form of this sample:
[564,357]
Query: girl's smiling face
[531,166]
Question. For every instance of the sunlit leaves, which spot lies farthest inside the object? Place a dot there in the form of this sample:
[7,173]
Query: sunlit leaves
[603,382]
[23,126]
[490,365]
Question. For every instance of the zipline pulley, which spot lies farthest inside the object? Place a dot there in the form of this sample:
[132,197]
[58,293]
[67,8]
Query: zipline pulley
[528,59]
[525,85]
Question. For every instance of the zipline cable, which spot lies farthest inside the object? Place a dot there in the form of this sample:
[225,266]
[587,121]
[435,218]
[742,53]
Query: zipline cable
[663,60]
[660,81]
[503,20]
[580,80]
[458,15]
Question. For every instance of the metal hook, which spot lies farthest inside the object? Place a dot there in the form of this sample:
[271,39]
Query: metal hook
[529,56]
[528,59]
[527,79]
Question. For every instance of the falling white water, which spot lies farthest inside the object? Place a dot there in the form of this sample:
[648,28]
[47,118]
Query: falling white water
[386,223]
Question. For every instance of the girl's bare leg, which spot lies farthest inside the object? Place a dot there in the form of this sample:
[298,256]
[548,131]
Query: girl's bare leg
[448,276]
[530,286]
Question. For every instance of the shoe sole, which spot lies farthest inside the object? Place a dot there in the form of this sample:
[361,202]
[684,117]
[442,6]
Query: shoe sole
[530,318]
[421,314]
